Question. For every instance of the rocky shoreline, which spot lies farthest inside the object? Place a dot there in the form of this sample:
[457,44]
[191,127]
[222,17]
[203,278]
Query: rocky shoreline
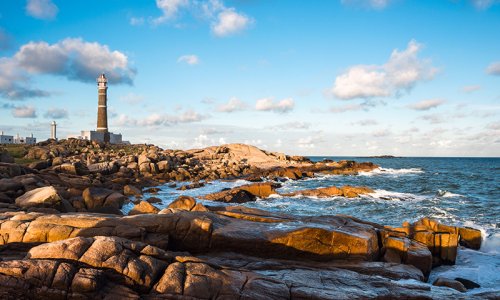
[63,234]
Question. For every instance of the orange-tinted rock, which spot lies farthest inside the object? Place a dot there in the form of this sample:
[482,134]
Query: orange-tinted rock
[183,203]
[143,207]
[245,193]
[345,191]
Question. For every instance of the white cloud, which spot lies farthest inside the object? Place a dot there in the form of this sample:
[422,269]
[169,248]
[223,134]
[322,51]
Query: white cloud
[158,119]
[214,131]
[365,122]
[76,60]
[400,73]
[484,4]
[346,108]
[42,9]
[471,88]
[267,104]
[494,68]
[310,141]
[189,59]
[298,125]
[377,4]
[381,133]
[230,22]
[234,104]
[24,112]
[433,118]
[225,21]
[56,113]
[169,8]
[72,58]
[426,104]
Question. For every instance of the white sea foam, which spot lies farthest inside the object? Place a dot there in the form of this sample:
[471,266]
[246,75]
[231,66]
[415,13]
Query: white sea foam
[447,194]
[389,171]
[389,195]
[491,244]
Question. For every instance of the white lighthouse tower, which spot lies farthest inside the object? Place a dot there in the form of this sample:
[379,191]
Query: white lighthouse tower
[53,130]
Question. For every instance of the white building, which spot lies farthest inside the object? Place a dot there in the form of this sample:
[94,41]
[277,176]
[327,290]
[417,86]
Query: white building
[6,139]
[10,139]
[92,135]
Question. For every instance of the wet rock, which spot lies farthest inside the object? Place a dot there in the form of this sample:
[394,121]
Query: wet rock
[469,284]
[143,207]
[153,190]
[154,200]
[130,190]
[40,197]
[454,284]
[191,186]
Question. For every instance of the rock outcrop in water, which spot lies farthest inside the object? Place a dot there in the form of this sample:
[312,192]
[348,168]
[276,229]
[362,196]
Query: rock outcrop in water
[62,235]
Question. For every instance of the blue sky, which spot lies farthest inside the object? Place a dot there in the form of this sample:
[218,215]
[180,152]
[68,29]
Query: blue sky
[347,77]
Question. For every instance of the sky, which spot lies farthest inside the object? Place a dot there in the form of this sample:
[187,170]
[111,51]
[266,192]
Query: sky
[337,78]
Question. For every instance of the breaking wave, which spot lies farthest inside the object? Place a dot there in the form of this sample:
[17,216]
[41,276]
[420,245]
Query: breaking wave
[389,171]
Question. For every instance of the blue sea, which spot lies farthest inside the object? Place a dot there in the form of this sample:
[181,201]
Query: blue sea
[455,191]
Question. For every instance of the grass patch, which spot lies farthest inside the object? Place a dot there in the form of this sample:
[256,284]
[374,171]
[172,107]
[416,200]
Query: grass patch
[16,150]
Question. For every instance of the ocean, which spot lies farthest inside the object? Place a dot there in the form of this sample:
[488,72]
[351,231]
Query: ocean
[455,191]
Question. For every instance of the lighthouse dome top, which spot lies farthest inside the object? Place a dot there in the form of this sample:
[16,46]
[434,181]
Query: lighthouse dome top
[102,78]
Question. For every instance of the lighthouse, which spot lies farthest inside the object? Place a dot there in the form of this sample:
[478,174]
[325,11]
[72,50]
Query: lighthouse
[101,133]
[102,109]
[53,130]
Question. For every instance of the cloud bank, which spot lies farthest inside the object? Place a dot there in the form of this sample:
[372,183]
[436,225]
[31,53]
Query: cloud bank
[400,73]
[71,58]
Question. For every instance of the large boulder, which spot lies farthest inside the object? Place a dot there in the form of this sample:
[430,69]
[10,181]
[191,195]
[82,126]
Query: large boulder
[183,203]
[103,200]
[450,283]
[143,207]
[40,197]
[77,168]
[244,193]
[104,168]
[130,190]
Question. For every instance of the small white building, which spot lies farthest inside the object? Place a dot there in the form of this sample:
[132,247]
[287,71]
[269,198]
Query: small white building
[30,140]
[91,135]
[10,139]
[6,139]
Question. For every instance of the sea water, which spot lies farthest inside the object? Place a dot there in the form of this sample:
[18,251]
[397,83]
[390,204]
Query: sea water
[454,191]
